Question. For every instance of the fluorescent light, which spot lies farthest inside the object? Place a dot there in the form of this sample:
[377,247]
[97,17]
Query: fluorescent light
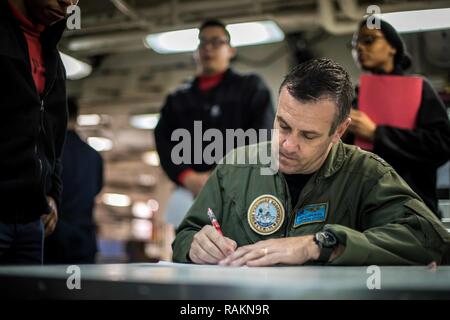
[242,34]
[100,144]
[252,33]
[145,210]
[88,120]
[153,204]
[141,229]
[75,69]
[151,158]
[418,20]
[116,200]
[145,121]
[173,41]
[142,210]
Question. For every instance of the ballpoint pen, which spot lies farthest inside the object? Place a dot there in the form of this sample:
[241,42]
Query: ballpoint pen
[214,221]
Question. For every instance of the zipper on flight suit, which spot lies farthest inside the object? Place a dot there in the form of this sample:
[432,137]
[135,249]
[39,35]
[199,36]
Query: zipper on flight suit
[298,204]
[287,203]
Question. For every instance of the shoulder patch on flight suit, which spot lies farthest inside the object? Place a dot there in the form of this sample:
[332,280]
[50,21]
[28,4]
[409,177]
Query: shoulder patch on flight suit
[312,213]
[265,215]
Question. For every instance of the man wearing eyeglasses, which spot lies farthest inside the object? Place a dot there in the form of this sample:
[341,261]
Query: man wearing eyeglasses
[32,125]
[218,97]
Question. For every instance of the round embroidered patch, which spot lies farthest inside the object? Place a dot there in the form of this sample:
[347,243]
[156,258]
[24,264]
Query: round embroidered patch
[265,215]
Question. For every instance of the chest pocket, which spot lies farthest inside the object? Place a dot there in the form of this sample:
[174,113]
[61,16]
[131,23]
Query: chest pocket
[243,233]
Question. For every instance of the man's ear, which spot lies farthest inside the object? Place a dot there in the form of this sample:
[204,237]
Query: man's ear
[232,52]
[196,55]
[341,130]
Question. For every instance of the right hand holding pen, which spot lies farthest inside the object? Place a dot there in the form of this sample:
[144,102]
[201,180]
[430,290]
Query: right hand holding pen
[209,247]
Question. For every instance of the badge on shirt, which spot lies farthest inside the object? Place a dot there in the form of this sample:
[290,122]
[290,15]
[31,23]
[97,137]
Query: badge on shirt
[215,111]
[265,215]
[312,213]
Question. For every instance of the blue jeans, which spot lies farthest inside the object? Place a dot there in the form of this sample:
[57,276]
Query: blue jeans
[21,243]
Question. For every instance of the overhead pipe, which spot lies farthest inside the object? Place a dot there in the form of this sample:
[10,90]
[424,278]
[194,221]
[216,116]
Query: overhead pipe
[130,12]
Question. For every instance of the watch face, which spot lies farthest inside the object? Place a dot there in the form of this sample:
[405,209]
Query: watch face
[327,239]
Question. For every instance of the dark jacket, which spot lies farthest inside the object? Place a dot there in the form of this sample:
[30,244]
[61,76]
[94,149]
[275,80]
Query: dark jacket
[32,127]
[416,154]
[238,101]
[74,238]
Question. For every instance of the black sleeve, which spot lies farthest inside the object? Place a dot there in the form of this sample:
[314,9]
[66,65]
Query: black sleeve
[56,189]
[59,138]
[262,112]
[164,145]
[428,143]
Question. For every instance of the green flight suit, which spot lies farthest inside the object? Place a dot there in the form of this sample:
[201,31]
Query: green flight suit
[370,209]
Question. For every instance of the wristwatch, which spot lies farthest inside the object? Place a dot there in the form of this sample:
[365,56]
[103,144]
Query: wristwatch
[327,242]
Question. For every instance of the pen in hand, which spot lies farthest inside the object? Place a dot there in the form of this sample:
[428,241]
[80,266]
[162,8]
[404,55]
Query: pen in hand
[214,221]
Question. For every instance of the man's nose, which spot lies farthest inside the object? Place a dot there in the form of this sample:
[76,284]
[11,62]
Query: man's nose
[207,47]
[290,145]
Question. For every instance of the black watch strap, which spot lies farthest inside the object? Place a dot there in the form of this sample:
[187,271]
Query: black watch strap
[325,254]
[326,241]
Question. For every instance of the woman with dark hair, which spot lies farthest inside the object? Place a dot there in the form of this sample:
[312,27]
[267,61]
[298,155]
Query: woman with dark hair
[415,152]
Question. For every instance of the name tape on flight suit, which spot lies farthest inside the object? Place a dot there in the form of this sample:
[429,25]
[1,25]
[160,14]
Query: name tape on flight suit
[312,213]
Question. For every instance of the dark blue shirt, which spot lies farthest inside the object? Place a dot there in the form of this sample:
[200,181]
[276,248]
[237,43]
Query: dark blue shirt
[74,238]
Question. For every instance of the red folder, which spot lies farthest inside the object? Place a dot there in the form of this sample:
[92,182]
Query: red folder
[389,100]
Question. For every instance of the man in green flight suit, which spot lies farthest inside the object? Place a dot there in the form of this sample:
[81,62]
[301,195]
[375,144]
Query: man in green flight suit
[328,202]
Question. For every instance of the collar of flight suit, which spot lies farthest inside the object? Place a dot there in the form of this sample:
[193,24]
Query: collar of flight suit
[334,161]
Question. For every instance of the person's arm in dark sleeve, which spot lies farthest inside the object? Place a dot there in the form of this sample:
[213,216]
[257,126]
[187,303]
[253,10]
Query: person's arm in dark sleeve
[428,143]
[397,228]
[59,141]
[164,144]
[196,218]
[262,113]
[56,189]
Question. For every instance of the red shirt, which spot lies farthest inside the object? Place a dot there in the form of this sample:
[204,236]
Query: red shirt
[32,34]
[206,83]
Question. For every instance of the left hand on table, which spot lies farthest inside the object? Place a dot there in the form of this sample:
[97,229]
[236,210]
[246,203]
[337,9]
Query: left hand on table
[290,251]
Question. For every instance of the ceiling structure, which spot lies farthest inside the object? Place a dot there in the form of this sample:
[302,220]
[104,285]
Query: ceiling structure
[120,25]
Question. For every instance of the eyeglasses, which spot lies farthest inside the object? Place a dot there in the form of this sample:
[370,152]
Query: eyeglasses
[216,43]
[366,40]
